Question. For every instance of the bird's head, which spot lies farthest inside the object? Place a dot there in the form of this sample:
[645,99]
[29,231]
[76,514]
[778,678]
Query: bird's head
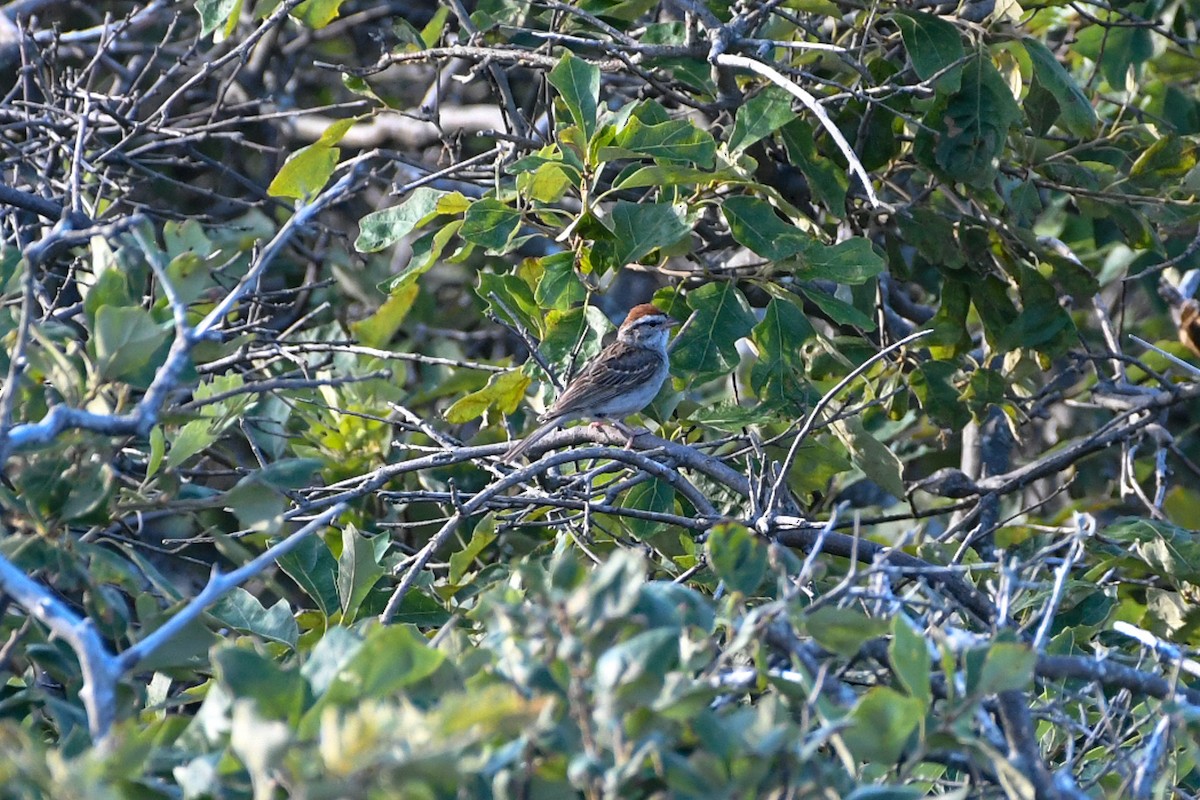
[647,326]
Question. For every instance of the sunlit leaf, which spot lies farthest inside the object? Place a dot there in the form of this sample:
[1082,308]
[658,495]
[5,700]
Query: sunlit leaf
[578,83]
[381,229]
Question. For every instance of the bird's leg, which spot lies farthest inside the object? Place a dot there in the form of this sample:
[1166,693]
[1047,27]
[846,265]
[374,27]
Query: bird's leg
[630,433]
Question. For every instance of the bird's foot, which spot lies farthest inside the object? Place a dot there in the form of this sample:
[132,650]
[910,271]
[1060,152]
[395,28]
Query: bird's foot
[630,433]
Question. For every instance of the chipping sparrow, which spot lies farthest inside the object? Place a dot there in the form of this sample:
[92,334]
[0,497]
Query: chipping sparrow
[622,380]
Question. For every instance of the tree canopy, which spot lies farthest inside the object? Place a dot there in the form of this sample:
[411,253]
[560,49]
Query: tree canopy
[912,517]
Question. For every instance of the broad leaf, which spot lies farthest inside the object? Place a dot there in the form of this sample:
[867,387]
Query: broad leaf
[870,455]
[314,569]
[384,228]
[963,133]
[737,556]
[307,170]
[1075,110]
[881,725]
[933,44]
[490,223]
[708,348]
[242,611]
[649,495]
[358,571]
[504,392]
[674,140]
[640,228]
[760,116]
[578,84]
[754,223]
[125,339]
[779,372]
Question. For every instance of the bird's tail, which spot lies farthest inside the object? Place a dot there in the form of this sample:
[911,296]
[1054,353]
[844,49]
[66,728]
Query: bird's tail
[519,449]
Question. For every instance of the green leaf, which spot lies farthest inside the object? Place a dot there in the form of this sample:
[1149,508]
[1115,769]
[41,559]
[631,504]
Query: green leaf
[335,649]
[673,140]
[852,262]
[778,374]
[963,133]
[242,611]
[257,505]
[827,180]
[510,298]
[1043,323]
[379,328]
[668,604]
[307,170]
[737,556]
[484,535]
[644,658]
[313,568]
[1118,49]
[621,10]
[708,348]
[191,439]
[909,655]
[504,392]
[671,175]
[426,250]
[1076,112]
[760,116]
[490,223]
[381,229]
[289,473]
[249,675]
[317,14]
[564,330]
[431,34]
[215,13]
[421,610]
[158,449]
[391,658]
[870,455]
[932,44]
[649,495]
[949,324]
[1169,159]
[754,224]
[933,236]
[842,630]
[1007,666]
[837,310]
[548,183]
[890,793]
[358,571]
[881,725]
[560,287]
[1168,550]
[125,340]
[578,84]
[640,228]
[933,385]
[111,288]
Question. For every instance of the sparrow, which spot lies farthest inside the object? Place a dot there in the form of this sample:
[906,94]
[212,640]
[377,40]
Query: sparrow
[620,381]
[1185,309]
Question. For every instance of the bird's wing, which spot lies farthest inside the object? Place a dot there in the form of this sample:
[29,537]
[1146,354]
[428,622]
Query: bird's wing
[602,379]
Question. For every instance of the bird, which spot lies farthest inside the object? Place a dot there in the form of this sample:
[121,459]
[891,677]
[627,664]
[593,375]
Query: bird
[1185,309]
[620,381]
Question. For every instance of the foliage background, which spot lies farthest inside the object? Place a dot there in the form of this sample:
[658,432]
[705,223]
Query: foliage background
[273,274]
